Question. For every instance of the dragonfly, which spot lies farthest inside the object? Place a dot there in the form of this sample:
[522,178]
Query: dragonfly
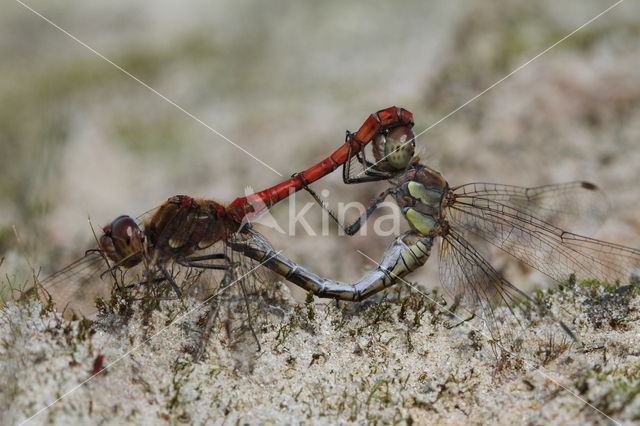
[528,223]
[182,227]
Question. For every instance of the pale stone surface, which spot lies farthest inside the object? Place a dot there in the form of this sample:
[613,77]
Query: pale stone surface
[324,364]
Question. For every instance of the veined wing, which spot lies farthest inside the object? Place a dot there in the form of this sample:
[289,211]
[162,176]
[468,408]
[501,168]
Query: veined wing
[84,266]
[75,286]
[577,206]
[539,244]
[468,277]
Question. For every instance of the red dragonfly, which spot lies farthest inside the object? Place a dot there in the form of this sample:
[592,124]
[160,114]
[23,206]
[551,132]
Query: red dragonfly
[182,225]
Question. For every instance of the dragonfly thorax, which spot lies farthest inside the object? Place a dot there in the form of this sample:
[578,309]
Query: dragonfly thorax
[183,225]
[419,196]
[179,227]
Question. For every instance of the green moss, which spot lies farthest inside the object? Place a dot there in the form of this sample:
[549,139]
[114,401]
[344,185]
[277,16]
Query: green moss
[284,331]
[311,313]
[376,313]
[621,387]
[594,284]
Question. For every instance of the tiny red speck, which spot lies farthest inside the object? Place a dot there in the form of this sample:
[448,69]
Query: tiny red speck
[98,365]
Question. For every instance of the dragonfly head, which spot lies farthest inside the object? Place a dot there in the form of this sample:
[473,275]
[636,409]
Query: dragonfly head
[394,148]
[123,242]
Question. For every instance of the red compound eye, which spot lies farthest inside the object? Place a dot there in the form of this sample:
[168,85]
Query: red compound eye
[123,241]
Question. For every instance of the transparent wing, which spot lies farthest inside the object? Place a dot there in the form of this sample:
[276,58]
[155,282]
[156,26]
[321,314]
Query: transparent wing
[76,286]
[468,277]
[577,206]
[539,243]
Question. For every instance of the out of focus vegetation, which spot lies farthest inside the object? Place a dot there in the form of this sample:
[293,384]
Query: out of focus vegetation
[78,138]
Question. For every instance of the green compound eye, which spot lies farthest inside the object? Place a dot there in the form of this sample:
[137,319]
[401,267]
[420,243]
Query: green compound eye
[399,147]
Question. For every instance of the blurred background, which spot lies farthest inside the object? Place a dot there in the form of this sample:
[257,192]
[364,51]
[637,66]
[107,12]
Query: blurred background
[284,80]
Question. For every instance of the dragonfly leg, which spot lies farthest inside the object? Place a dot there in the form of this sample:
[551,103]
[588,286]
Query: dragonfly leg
[171,281]
[404,255]
[214,310]
[208,257]
[249,316]
[324,206]
[370,174]
[370,170]
[212,315]
[357,224]
[205,266]
[147,282]
[196,261]
[153,281]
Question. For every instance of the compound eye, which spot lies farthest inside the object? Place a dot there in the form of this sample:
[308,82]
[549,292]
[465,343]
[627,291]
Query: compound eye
[123,241]
[400,147]
[394,150]
[124,228]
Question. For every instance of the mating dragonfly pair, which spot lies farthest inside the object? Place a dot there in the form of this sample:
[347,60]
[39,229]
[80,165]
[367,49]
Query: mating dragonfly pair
[527,223]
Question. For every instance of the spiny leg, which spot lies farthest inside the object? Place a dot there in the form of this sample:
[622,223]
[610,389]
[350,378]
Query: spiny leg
[166,276]
[195,261]
[249,318]
[212,256]
[214,310]
[357,224]
[113,269]
[169,278]
[371,174]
